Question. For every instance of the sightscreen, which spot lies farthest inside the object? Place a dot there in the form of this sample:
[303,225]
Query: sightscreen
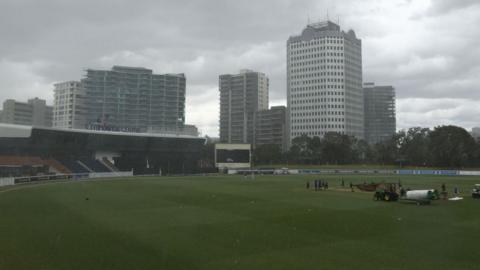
[233,156]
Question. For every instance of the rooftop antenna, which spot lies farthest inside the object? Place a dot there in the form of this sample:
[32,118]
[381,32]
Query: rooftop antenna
[308,18]
[328,17]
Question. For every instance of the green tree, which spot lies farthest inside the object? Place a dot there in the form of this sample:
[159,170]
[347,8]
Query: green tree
[388,151]
[414,147]
[315,146]
[362,152]
[476,154]
[337,148]
[451,146]
[267,154]
[300,151]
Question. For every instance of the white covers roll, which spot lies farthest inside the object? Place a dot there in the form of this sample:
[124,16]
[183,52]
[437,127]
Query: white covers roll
[419,195]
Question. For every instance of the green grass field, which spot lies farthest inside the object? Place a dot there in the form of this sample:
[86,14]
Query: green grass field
[228,222]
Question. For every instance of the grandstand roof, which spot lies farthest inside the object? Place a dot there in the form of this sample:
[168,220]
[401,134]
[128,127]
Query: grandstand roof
[19,131]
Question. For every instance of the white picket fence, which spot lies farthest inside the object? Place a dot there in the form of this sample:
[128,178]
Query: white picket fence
[7,181]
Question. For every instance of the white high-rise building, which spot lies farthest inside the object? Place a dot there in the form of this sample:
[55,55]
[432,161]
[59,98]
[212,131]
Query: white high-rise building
[324,82]
[69,105]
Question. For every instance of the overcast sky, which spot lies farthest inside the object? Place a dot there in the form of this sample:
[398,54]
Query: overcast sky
[429,50]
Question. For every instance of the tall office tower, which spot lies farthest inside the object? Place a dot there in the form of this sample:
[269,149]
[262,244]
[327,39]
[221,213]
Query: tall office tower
[69,109]
[271,127]
[35,112]
[324,82]
[134,99]
[380,119]
[241,95]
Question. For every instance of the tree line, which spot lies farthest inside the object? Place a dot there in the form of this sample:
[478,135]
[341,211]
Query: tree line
[443,146]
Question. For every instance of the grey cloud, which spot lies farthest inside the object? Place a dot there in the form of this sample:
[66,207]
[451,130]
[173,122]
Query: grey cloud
[436,112]
[439,59]
[440,7]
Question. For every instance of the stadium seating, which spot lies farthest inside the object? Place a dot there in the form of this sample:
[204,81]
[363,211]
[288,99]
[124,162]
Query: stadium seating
[20,161]
[18,165]
[109,164]
[95,165]
[59,167]
[29,166]
[102,167]
[73,166]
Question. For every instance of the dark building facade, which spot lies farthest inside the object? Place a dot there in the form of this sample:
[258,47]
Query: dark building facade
[241,95]
[138,152]
[380,114]
[270,127]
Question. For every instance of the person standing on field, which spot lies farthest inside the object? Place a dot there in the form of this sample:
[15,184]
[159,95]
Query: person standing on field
[444,191]
[456,191]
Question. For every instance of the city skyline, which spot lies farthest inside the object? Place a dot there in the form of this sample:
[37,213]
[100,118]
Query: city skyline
[426,49]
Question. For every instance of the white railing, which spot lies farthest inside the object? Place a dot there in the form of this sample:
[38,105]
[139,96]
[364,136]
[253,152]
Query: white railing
[53,177]
[110,174]
[469,173]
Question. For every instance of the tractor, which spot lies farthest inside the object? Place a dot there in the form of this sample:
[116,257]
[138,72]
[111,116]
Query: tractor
[388,193]
[476,191]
